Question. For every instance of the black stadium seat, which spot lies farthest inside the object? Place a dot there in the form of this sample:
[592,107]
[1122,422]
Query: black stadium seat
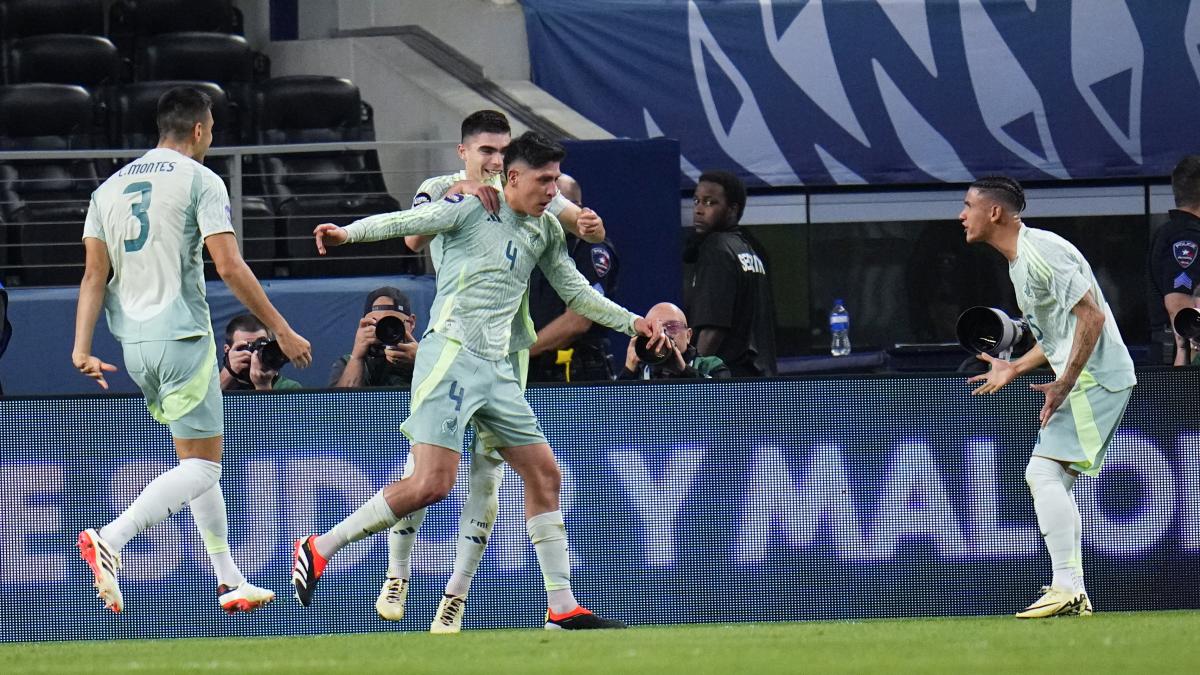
[312,188]
[88,60]
[47,199]
[132,21]
[22,18]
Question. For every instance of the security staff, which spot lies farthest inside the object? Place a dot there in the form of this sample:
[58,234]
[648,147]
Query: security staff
[570,348]
[1174,270]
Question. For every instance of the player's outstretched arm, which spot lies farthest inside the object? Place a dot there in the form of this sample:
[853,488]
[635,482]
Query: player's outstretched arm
[91,299]
[237,275]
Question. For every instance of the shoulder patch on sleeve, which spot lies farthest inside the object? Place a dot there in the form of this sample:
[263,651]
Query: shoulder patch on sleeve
[421,198]
[601,260]
[1185,252]
[454,198]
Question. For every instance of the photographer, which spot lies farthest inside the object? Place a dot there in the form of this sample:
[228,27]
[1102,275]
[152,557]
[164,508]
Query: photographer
[242,368]
[682,361]
[381,356]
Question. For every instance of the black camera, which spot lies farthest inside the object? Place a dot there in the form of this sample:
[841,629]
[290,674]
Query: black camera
[1187,323]
[991,331]
[641,347]
[269,353]
[390,331]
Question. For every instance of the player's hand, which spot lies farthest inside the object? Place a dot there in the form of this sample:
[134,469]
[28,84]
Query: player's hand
[260,377]
[405,352]
[296,348]
[1001,373]
[93,367]
[328,234]
[1056,392]
[658,342]
[590,226]
[486,194]
[364,337]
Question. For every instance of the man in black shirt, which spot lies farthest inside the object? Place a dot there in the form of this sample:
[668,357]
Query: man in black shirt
[370,362]
[1174,271]
[569,347]
[727,291]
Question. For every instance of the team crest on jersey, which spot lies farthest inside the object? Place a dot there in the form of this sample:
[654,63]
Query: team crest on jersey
[601,260]
[1185,253]
[421,198]
[455,198]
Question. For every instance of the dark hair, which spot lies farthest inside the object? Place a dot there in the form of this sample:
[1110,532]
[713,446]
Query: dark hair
[534,149]
[485,122]
[1002,189]
[397,295]
[1185,182]
[247,323]
[735,189]
[180,110]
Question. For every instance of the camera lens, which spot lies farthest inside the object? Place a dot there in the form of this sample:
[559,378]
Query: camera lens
[272,355]
[390,330]
[645,355]
[1187,323]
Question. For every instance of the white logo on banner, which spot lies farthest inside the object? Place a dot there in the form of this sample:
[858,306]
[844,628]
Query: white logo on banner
[1111,67]
[910,20]
[929,150]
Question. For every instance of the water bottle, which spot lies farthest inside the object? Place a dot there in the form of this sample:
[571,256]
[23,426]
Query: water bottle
[839,329]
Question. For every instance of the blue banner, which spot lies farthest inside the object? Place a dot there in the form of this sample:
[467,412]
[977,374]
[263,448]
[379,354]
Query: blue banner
[707,502]
[790,92]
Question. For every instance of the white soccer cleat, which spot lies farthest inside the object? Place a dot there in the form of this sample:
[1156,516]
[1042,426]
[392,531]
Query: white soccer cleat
[245,598]
[1056,602]
[449,614]
[104,563]
[390,603]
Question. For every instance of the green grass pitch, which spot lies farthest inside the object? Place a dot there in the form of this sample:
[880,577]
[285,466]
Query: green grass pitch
[1134,642]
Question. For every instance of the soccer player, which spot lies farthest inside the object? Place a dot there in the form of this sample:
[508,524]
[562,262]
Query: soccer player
[485,135]
[1077,335]
[145,225]
[463,371]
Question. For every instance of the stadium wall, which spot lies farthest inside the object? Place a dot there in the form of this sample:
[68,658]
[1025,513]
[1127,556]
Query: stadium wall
[712,502]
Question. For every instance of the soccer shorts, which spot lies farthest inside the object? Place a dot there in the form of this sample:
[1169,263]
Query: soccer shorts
[452,386]
[1081,429]
[180,382]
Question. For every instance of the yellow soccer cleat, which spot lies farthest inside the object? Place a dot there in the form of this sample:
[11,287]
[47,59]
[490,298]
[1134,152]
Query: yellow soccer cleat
[390,603]
[1055,602]
[449,614]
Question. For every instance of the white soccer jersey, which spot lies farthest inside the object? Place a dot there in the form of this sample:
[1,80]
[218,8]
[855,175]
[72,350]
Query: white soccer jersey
[1050,276]
[153,216]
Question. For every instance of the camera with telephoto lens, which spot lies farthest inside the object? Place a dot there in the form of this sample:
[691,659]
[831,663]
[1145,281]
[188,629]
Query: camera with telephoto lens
[987,330]
[391,331]
[641,347]
[269,353]
[1187,323]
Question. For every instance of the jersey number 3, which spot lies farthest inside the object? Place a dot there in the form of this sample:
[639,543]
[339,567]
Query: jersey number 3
[140,208]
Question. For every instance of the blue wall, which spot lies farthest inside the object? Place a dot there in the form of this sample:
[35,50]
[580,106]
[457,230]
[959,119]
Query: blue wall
[717,501]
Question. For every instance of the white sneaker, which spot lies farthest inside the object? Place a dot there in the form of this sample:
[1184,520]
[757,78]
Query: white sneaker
[390,603]
[449,614]
[104,563]
[1055,602]
[244,598]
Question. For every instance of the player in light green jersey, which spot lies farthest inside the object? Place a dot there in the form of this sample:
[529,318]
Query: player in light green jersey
[146,225]
[1077,335]
[462,371]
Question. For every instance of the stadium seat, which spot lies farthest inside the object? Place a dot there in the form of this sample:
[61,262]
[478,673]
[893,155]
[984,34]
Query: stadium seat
[88,60]
[132,21]
[46,200]
[23,18]
[311,188]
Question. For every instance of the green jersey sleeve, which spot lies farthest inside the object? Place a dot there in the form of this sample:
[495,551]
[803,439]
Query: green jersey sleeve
[444,215]
[574,288]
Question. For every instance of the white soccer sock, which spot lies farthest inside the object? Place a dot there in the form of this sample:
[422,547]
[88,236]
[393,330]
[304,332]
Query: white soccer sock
[163,496]
[476,522]
[401,539]
[1058,519]
[373,516]
[549,537]
[208,512]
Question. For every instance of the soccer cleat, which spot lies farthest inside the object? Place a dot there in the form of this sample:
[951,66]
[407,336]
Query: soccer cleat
[1055,602]
[307,566]
[244,598]
[104,563]
[390,603]
[579,619]
[1085,610]
[449,614]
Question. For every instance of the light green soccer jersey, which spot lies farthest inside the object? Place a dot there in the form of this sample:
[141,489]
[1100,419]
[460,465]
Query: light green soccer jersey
[1050,276]
[485,266]
[153,216]
[432,190]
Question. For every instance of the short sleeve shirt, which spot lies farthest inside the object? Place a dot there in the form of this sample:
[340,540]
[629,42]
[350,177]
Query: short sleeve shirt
[1173,266]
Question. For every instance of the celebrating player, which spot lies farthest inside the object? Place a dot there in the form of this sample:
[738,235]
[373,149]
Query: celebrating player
[145,224]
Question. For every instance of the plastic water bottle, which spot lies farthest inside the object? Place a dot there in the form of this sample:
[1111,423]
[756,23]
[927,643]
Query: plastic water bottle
[839,329]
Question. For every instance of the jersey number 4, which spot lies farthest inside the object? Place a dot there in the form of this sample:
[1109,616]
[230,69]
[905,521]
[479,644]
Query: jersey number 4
[139,208]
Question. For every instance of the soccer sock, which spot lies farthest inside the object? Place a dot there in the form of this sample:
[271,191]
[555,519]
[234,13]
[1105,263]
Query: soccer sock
[208,511]
[1058,519]
[549,537]
[1069,484]
[401,539]
[163,496]
[373,516]
[476,522]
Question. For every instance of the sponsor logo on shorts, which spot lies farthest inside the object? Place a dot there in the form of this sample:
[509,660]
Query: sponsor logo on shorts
[449,425]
